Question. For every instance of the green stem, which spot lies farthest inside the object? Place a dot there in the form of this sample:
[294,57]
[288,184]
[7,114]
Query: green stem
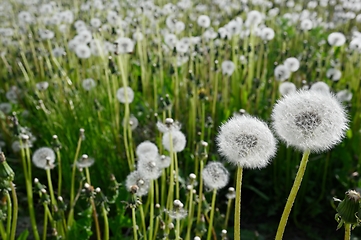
[71,214]
[96,222]
[60,176]
[51,191]
[229,205]
[190,216]
[151,215]
[87,174]
[135,234]
[45,226]
[142,216]
[9,212]
[237,212]
[209,235]
[2,230]
[15,212]
[200,195]
[292,196]
[347,231]
[106,223]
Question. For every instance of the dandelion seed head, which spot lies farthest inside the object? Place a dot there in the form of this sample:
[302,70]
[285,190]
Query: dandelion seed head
[228,67]
[175,138]
[333,74]
[336,39]
[287,88]
[215,175]
[344,95]
[246,142]
[148,166]
[292,63]
[82,51]
[146,149]
[125,95]
[204,21]
[85,161]
[43,157]
[88,84]
[282,73]
[135,178]
[310,120]
[321,87]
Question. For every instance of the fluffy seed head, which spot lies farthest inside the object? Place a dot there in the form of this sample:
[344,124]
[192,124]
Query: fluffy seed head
[177,138]
[215,175]
[125,95]
[146,149]
[310,120]
[148,166]
[43,157]
[246,142]
[321,87]
[135,178]
[287,88]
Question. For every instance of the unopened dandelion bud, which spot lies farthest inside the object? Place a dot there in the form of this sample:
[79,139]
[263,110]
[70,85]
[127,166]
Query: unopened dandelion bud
[196,238]
[170,225]
[192,176]
[231,193]
[349,208]
[157,205]
[189,187]
[87,185]
[177,204]
[6,173]
[97,190]
[81,133]
[36,180]
[25,137]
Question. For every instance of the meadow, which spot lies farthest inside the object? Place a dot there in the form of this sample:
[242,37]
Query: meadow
[145,119]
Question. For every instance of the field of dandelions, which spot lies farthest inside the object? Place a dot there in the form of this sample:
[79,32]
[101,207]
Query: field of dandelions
[190,119]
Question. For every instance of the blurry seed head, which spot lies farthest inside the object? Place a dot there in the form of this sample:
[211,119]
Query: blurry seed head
[42,86]
[85,161]
[6,107]
[164,161]
[146,149]
[43,158]
[306,25]
[123,45]
[228,67]
[246,141]
[333,74]
[287,88]
[254,18]
[267,34]
[204,21]
[176,139]
[88,84]
[133,122]
[125,95]
[321,87]
[82,51]
[309,120]
[292,63]
[215,176]
[344,95]
[168,125]
[336,39]
[282,73]
[178,211]
[135,178]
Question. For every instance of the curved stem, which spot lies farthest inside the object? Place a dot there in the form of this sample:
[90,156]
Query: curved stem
[9,212]
[237,212]
[209,235]
[106,223]
[96,219]
[229,205]
[292,196]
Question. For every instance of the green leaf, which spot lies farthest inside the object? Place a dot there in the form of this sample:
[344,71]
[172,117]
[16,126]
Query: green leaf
[24,235]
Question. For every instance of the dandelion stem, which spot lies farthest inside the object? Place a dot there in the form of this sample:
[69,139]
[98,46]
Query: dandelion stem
[135,234]
[51,191]
[190,216]
[60,176]
[15,211]
[9,213]
[209,235]
[95,215]
[2,230]
[229,205]
[106,223]
[237,212]
[347,231]
[292,196]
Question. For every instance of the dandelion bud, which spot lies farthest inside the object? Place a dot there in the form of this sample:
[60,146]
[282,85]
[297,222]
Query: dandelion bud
[192,176]
[177,204]
[349,208]
[170,225]
[157,205]
[231,193]
[196,238]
